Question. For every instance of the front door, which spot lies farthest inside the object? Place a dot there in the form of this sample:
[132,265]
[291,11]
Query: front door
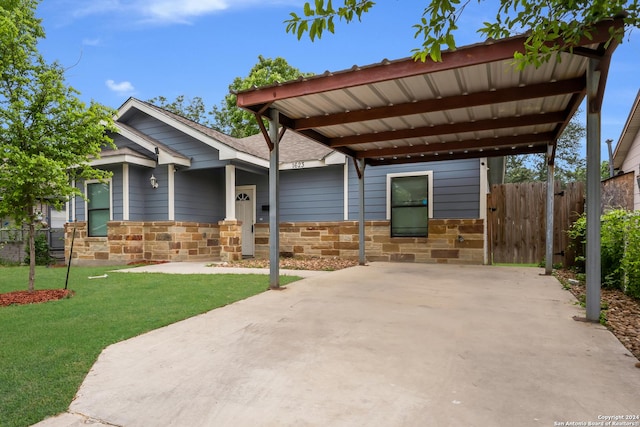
[246,212]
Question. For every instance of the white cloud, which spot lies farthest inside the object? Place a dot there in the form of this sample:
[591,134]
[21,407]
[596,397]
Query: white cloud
[122,88]
[91,42]
[164,11]
[181,11]
[97,7]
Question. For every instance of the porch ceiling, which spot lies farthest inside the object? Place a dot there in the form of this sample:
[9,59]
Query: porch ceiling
[474,103]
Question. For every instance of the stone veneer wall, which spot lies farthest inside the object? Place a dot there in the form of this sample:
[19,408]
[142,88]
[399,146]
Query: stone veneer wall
[454,241]
[231,240]
[132,241]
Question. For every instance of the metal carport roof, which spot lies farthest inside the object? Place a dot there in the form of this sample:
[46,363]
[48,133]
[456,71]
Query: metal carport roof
[474,103]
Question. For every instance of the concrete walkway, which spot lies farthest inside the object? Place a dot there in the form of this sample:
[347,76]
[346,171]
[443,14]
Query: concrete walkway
[206,268]
[379,345]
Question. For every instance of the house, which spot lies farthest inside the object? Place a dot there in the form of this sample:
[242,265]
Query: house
[181,191]
[626,158]
[14,238]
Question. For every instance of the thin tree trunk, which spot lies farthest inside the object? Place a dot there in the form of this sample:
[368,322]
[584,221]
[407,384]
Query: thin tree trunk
[32,252]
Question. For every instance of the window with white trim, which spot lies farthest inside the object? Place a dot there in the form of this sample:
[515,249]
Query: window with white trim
[98,208]
[409,203]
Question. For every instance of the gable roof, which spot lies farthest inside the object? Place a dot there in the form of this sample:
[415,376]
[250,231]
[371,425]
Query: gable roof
[628,135]
[294,147]
[474,103]
[165,154]
[123,155]
[251,149]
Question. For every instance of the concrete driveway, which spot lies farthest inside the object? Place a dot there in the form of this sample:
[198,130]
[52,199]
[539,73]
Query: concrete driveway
[379,345]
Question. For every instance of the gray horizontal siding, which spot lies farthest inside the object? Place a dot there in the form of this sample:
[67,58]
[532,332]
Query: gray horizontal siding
[202,156]
[122,142]
[156,201]
[116,192]
[199,195]
[312,194]
[139,186]
[456,188]
[79,202]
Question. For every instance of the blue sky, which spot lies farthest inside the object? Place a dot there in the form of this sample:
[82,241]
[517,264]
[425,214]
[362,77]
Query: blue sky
[114,49]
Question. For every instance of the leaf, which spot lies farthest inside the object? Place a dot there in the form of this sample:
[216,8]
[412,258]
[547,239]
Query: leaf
[330,25]
[435,53]
[307,10]
[302,27]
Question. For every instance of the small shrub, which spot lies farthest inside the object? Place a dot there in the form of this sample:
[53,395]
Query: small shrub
[630,263]
[619,249]
[43,256]
[578,235]
[612,237]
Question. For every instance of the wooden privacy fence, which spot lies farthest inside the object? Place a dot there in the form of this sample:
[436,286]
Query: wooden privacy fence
[517,221]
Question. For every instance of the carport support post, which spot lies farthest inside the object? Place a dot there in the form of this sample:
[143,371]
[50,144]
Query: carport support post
[274,202]
[592,267]
[548,265]
[361,243]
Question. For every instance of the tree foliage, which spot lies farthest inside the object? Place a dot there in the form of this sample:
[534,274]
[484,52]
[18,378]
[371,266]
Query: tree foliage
[192,109]
[47,134]
[231,120]
[227,117]
[551,26]
[570,164]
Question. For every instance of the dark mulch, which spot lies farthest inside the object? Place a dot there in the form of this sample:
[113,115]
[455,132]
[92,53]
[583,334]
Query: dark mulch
[146,262]
[295,263]
[37,296]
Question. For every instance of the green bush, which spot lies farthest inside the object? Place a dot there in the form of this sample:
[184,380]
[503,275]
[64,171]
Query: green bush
[612,251]
[578,235]
[631,260]
[43,256]
[619,249]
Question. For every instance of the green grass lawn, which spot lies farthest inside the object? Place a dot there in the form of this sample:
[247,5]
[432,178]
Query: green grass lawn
[47,349]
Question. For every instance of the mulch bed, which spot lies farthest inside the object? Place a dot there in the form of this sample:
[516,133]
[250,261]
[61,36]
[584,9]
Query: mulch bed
[37,296]
[145,262]
[621,311]
[297,263]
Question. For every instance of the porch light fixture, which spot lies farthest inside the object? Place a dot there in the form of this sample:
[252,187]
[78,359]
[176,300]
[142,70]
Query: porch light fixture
[154,181]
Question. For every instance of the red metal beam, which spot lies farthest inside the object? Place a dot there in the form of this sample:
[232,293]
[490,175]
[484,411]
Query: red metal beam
[512,94]
[444,129]
[471,144]
[457,155]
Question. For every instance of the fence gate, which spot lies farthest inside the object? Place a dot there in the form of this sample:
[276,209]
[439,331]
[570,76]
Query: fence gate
[517,221]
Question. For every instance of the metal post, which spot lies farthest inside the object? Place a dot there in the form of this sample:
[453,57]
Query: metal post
[611,170]
[548,265]
[593,268]
[274,205]
[73,239]
[361,167]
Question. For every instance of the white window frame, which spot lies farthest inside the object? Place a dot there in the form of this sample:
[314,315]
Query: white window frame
[86,203]
[428,173]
